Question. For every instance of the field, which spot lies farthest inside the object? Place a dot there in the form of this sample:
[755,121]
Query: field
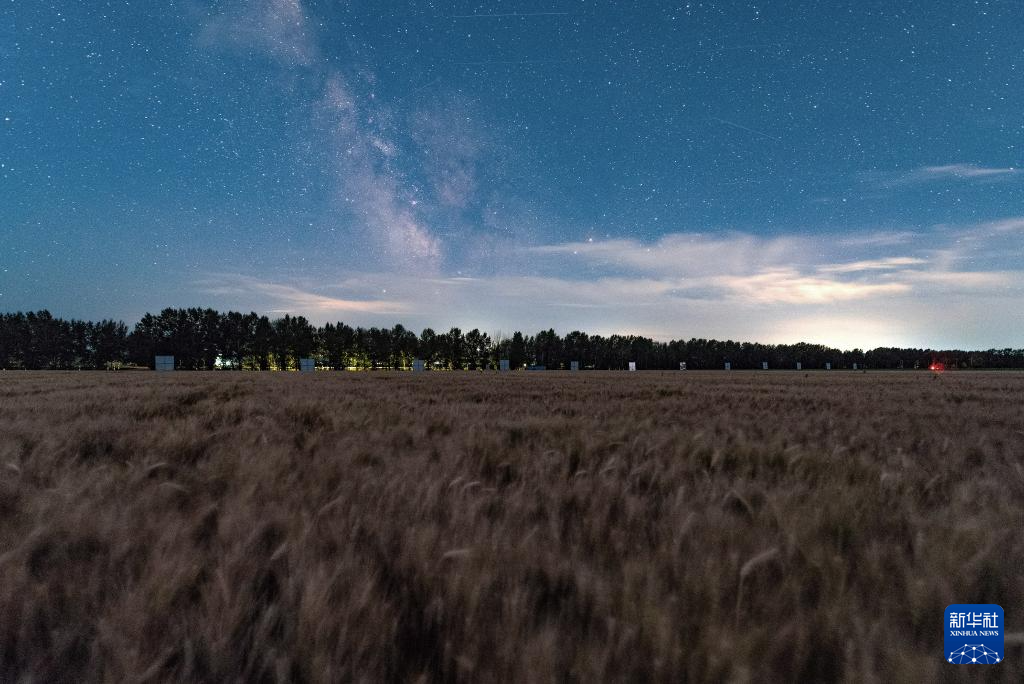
[477,527]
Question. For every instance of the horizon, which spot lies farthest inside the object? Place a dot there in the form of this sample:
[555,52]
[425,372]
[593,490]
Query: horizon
[775,174]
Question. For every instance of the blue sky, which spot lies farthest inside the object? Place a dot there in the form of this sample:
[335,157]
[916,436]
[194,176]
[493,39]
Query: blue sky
[840,172]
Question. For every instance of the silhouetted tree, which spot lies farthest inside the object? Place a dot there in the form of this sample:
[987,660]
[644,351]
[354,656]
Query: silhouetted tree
[198,337]
[427,347]
[453,348]
[403,346]
[517,351]
[477,349]
[262,342]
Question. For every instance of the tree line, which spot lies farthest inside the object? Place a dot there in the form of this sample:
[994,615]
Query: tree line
[205,339]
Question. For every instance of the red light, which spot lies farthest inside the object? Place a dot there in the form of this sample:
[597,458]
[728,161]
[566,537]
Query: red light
[936,366]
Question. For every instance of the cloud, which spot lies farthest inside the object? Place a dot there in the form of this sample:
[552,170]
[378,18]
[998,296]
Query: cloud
[944,172]
[935,282]
[880,239]
[884,264]
[277,28]
[273,297]
[964,171]
[686,254]
[1011,225]
[788,286]
[742,269]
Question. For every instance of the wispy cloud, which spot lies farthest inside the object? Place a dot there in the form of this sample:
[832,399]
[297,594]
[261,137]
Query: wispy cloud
[796,270]
[964,171]
[276,297]
[739,268]
[885,238]
[960,281]
[277,28]
[883,264]
[686,254]
[944,172]
[1011,225]
[788,286]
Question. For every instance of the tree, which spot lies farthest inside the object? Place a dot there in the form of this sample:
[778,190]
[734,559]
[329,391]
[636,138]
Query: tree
[576,347]
[379,347]
[427,347]
[143,341]
[517,351]
[262,341]
[303,338]
[108,344]
[477,349]
[293,339]
[281,342]
[548,349]
[403,346]
[336,345]
[453,349]
[235,338]
[346,340]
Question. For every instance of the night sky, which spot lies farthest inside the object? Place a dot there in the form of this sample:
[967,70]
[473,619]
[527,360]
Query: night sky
[850,173]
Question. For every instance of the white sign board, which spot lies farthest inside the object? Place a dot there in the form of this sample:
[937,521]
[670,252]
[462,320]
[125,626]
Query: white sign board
[503,365]
[728,366]
[828,366]
[632,365]
[307,365]
[164,363]
[417,365]
[799,366]
[764,365]
[854,366]
[574,365]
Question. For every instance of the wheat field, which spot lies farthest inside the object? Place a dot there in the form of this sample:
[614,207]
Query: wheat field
[484,527]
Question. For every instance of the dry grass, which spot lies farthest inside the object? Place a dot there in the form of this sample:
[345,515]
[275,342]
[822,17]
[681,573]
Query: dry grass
[527,527]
